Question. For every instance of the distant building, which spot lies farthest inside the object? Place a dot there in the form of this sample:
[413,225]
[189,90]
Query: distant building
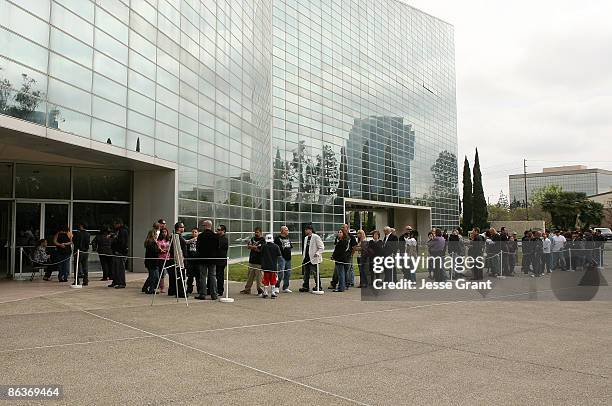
[605,199]
[575,178]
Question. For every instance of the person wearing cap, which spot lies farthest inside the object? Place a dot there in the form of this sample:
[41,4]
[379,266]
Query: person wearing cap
[270,253]
[81,241]
[284,243]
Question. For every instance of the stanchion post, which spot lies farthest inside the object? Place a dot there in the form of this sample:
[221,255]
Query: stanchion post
[319,291]
[76,271]
[20,261]
[570,259]
[226,299]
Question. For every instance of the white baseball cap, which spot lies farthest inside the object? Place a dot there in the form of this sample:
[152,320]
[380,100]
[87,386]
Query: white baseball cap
[269,238]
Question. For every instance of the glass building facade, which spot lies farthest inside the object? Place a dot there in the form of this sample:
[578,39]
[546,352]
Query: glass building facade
[317,100]
[587,181]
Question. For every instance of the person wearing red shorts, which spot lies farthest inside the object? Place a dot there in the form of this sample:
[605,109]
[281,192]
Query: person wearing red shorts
[270,253]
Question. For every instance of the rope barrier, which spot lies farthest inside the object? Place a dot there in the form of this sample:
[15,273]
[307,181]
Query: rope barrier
[48,263]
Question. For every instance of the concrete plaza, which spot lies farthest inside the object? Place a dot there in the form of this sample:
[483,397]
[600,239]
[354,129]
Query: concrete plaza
[107,346]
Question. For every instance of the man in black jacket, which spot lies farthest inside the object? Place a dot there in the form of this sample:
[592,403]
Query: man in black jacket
[120,250]
[222,247]
[207,250]
[270,253]
[81,241]
[284,274]
[390,247]
[527,248]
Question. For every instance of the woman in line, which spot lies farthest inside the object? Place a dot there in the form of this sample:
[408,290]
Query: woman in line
[151,262]
[363,258]
[342,256]
[163,243]
[376,249]
[63,243]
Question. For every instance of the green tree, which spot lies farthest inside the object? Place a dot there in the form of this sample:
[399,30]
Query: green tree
[479,205]
[537,196]
[503,200]
[467,196]
[591,213]
[563,207]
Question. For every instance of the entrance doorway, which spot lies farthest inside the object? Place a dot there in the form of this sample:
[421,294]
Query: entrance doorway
[34,221]
[6,217]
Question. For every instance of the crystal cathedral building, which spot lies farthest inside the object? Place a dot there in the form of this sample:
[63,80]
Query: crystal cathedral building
[247,112]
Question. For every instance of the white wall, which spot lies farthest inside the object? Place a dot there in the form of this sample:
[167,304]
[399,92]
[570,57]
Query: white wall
[154,196]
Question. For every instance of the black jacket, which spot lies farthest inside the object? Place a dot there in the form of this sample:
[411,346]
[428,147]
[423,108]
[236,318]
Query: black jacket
[208,244]
[222,248]
[376,248]
[151,254]
[270,252]
[390,248]
[477,246]
[102,244]
[81,240]
[120,242]
[342,251]
[255,254]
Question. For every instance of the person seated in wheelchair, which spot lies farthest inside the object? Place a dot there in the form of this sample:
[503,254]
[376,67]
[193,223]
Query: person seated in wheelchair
[40,253]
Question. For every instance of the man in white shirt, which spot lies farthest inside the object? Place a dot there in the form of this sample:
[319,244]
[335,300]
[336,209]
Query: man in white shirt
[558,242]
[312,256]
[546,247]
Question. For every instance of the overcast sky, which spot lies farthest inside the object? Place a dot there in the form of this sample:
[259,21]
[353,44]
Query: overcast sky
[534,81]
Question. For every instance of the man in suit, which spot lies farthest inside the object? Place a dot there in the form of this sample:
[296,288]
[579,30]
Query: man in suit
[207,247]
[390,247]
[221,263]
[312,256]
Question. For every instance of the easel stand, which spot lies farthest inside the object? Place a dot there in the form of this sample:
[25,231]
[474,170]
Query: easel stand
[179,269]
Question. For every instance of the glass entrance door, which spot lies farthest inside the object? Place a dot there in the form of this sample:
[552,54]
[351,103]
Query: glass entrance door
[33,221]
[6,217]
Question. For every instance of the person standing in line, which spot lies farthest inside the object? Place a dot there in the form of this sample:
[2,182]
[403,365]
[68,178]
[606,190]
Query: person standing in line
[102,245]
[254,245]
[546,253]
[312,256]
[208,248]
[526,247]
[390,247]
[119,246]
[456,250]
[222,248]
[342,256]
[163,242]
[363,258]
[151,262]
[476,249]
[81,241]
[376,250]
[350,276]
[436,247]
[495,252]
[512,245]
[285,245]
[63,243]
[270,253]
[192,263]
[538,254]
[558,243]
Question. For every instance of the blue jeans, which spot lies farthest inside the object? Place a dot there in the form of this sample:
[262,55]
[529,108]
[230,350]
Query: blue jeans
[342,270]
[363,270]
[63,268]
[284,273]
[153,279]
[350,275]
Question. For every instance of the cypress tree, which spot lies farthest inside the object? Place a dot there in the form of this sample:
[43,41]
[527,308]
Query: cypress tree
[466,223]
[479,203]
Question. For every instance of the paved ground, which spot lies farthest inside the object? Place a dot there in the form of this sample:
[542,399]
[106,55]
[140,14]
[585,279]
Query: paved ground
[111,347]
